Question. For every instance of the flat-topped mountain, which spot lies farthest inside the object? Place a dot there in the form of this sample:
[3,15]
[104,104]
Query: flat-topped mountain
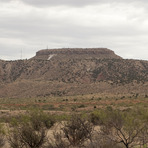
[77,53]
[72,72]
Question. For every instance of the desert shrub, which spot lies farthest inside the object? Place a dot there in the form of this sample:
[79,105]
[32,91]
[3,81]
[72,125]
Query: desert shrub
[95,106]
[75,100]
[97,116]
[16,120]
[14,140]
[74,108]
[99,142]
[99,99]
[30,130]
[62,117]
[51,107]
[38,119]
[120,127]
[25,136]
[122,97]
[2,134]
[77,130]
[74,133]
[115,129]
[81,106]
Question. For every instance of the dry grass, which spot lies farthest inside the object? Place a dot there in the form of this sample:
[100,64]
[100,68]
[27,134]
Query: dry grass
[73,103]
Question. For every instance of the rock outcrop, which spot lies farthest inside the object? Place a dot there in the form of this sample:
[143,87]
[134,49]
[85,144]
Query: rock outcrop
[87,53]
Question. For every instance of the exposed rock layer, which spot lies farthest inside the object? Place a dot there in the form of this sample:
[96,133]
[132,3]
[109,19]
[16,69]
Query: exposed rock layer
[71,72]
[78,53]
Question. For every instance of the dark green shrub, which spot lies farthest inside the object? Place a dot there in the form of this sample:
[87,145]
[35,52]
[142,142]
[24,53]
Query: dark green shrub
[38,119]
[81,106]
[25,136]
[77,130]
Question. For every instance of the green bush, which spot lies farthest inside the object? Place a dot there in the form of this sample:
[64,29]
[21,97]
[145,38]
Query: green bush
[38,119]
[127,128]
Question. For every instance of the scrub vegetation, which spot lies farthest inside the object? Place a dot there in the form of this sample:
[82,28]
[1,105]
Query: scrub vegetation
[101,128]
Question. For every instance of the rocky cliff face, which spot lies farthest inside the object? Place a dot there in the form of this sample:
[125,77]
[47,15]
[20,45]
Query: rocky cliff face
[77,53]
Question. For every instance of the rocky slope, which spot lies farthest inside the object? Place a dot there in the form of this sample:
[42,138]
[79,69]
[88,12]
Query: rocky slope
[72,71]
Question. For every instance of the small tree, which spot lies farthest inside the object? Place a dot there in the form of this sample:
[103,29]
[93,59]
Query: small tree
[38,118]
[74,133]
[30,133]
[14,140]
[26,136]
[77,130]
[122,128]
[144,137]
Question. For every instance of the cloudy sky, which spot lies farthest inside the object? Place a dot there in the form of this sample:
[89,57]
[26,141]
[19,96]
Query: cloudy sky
[30,25]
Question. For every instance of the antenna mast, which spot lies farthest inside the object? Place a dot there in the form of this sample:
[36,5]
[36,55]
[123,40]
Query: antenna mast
[21,54]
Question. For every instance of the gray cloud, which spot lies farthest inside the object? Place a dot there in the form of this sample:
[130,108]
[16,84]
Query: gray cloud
[77,3]
[119,26]
[5,1]
[57,3]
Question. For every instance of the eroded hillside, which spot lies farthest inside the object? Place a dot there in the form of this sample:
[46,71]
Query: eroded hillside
[72,71]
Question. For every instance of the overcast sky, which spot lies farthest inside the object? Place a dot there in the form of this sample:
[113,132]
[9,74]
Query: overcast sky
[31,25]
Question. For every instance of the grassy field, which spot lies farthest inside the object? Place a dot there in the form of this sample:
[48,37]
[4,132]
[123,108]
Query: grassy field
[99,111]
[78,103]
